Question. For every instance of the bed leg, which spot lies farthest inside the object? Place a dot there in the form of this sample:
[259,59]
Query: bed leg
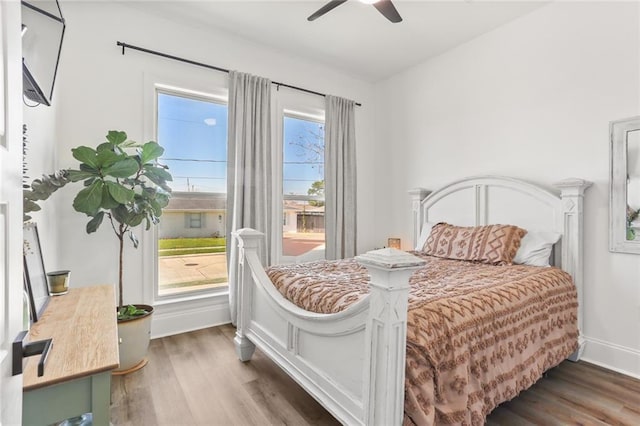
[248,243]
[244,347]
[386,335]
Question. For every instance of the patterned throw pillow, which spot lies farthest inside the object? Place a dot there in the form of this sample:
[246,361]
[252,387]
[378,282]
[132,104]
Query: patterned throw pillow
[493,244]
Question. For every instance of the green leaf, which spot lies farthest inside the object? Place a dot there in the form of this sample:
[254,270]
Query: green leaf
[86,168]
[30,206]
[162,200]
[88,200]
[157,210]
[158,171]
[156,176]
[135,219]
[106,158]
[120,214]
[130,311]
[116,137]
[122,169]
[129,144]
[148,192]
[106,146]
[119,193]
[107,200]
[86,155]
[76,175]
[94,223]
[150,151]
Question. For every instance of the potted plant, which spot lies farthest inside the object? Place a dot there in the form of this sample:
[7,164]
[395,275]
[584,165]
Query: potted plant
[124,186]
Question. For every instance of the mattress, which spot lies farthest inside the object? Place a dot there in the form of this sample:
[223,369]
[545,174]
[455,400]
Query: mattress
[477,334]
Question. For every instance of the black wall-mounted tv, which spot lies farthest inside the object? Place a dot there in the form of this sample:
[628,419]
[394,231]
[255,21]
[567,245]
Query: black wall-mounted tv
[42,33]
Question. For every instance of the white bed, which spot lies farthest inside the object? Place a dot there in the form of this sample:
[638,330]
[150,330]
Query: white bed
[353,362]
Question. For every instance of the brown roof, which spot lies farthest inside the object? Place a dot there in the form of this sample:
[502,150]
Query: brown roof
[203,201]
[298,206]
[196,201]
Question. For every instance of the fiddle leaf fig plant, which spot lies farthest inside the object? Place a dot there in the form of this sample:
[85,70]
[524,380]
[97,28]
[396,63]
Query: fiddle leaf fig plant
[124,184]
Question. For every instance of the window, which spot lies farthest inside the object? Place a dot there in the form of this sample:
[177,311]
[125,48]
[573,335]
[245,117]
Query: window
[194,220]
[303,188]
[191,237]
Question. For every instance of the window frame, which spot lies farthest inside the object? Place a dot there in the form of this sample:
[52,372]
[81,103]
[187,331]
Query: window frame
[189,90]
[304,107]
[197,218]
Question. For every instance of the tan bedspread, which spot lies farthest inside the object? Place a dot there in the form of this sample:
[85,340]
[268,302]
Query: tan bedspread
[477,334]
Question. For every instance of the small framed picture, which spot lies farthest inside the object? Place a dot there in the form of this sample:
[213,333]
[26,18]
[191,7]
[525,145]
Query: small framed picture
[35,278]
[394,243]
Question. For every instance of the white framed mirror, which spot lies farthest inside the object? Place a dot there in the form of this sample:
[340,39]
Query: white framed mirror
[624,197]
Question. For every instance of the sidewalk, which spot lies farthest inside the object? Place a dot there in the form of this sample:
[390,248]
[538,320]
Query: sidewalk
[196,268]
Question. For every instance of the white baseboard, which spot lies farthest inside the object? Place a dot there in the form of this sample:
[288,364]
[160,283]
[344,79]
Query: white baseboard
[188,315]
[612,356]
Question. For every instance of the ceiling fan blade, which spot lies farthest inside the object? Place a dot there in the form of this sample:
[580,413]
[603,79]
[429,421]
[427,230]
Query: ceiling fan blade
[326,8]
[388,10]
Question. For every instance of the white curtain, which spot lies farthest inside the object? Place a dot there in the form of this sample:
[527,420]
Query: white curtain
[340,178]
[249,194]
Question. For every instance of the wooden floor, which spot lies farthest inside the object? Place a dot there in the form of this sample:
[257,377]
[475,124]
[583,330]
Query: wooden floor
[196,379]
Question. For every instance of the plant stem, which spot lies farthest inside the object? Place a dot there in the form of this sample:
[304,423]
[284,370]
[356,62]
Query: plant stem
[121,239]
[112,225]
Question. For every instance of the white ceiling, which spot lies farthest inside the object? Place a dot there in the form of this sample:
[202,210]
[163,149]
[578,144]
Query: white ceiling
[354,37]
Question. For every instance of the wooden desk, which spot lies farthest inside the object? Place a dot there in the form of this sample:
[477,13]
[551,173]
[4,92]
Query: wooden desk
[77,375]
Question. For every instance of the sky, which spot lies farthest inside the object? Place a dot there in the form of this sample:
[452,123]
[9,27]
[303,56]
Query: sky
[298,135]
[194,135]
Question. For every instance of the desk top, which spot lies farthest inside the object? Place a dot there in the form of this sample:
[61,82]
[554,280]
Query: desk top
[83,325]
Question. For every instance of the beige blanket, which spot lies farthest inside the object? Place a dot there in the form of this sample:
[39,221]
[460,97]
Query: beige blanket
[477,334]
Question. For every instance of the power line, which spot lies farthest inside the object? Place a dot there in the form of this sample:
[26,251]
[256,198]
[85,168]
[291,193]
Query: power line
[197,160]
[200,177]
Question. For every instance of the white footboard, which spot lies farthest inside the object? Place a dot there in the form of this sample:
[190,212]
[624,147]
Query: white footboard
[352,362]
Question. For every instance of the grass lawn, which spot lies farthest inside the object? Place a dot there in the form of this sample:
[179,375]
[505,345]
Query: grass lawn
[181,243]
[193,283]
[182,246]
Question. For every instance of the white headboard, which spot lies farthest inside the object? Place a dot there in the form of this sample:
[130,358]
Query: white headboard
[483,200]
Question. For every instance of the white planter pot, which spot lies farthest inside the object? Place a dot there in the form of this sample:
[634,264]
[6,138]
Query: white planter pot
[134,335]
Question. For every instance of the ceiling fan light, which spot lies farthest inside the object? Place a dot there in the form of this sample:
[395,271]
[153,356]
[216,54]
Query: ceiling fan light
[369,1]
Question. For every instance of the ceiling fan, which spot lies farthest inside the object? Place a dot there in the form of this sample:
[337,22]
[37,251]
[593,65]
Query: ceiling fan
[384,6]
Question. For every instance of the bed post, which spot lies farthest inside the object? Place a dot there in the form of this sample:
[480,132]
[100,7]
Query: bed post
[248,242]
[386,334]
[417,195]
[572,195]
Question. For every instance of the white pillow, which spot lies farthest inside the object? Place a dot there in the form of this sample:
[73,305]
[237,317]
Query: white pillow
[535,248]
[424,235]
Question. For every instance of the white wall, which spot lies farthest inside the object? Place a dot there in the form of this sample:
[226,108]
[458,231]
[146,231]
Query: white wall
[99,89]
[41,159]
[531,99]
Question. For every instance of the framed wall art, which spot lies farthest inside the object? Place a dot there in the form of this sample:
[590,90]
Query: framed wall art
[35,277]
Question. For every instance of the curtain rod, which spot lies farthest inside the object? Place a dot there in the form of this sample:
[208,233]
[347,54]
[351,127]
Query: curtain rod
[212,67]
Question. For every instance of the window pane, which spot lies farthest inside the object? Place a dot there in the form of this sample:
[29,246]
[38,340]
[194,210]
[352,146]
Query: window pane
[191,246]
[195,220]
[303,188]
